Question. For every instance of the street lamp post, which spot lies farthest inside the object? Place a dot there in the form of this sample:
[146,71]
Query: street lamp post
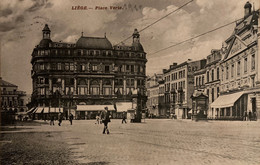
[180,91]
[173,92]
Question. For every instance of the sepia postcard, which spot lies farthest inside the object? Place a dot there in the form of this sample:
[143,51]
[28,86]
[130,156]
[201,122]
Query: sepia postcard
[133,82]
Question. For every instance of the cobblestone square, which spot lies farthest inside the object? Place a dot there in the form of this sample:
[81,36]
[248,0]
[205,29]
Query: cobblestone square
[157,141]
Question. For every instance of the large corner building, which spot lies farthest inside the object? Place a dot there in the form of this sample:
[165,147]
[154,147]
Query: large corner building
[85,76]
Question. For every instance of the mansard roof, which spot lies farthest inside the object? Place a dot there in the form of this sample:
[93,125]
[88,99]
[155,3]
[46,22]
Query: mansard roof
[4,83]
[45,43]
[93,43]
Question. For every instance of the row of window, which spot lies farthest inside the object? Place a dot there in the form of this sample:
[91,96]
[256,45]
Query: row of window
[11,103]
[175,76]
[211,74]
[175,86]
[199,81]
[93,91]
[82,52]
[70,81]
[213,93]
[230,70]
[176,98]
[89,67]
[161,90]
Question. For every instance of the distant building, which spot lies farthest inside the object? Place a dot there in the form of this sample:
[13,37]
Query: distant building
[212,75]
[161,101]
[179,86]
[11,98]
[199,80]
[153,94]
[72,77]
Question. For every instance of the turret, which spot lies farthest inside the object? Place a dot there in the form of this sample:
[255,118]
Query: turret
[46,37]
[247,8]
[136,36]
[46,32]
[136,41]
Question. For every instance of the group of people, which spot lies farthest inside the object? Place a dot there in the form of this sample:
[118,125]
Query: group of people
[248,116]
[104,118]
[60,118]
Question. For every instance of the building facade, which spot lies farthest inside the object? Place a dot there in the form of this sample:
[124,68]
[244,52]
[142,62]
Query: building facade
[88,72]
[240,81]
[179,86]
[13,101]
[212,84]
[153,95]
[161,102]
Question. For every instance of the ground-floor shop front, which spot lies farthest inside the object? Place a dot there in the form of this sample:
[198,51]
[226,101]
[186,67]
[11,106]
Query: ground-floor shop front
[182,112]
[45,113]
[243,105]
[117,111]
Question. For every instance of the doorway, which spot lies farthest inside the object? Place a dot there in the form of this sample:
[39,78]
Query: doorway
[254,108]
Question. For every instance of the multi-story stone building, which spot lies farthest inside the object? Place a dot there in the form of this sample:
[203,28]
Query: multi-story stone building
[239,70]
[153,94]
[161,102]
[179,86]
[199,80]
[12,100]
[72,76]
[212,84]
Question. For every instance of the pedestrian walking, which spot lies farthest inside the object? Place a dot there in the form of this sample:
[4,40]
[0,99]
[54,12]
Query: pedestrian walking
[245,116]
[249,115]
[124,118]
[60,118]
[71,118]
[105,119]
[97,119]
[52,120]
[100,118]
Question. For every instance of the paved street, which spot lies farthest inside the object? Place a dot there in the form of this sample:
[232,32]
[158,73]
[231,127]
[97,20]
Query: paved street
[159,141]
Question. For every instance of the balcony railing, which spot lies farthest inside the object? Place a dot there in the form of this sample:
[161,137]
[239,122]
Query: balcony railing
[13,93]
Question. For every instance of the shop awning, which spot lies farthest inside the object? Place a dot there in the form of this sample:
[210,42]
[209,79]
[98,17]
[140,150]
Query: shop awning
[31,110]
[38,110]
[35,110]
[94,107]
[226,100]
[46,110]
[123,106]
[56,110]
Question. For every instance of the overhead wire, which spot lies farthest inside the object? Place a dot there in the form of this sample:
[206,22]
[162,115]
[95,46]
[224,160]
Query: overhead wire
[202,34]
[157,21]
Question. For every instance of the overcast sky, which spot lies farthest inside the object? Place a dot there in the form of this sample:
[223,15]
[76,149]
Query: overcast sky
[21,22]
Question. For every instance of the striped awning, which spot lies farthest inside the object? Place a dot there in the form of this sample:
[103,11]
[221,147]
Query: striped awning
[94,107]
[38,110]
[31,110]
[56,110]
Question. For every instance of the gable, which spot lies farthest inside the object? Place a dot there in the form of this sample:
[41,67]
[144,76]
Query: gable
[237,45]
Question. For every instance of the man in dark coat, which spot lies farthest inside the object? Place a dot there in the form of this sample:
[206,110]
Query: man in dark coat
[124,118]
[70,118]
[52,120]
[105,119]
[60,118]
